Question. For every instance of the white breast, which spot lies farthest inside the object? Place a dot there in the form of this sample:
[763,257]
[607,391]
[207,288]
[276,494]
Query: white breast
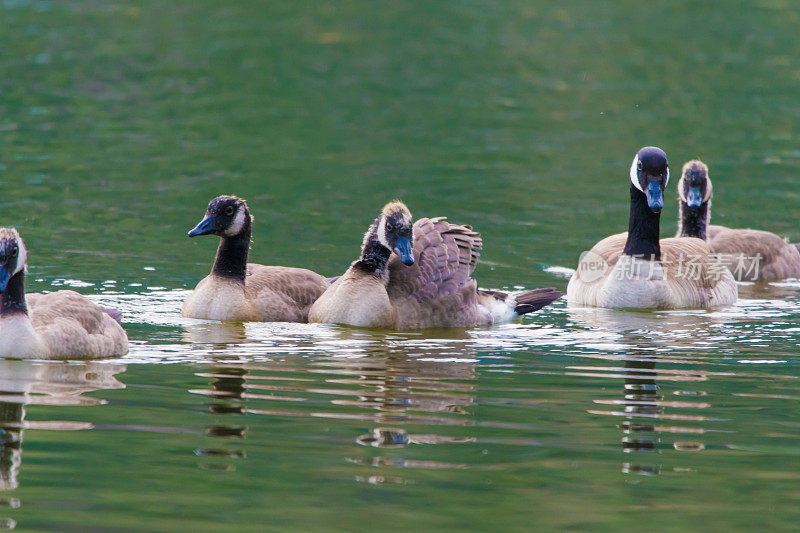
[635,283]
[19,340]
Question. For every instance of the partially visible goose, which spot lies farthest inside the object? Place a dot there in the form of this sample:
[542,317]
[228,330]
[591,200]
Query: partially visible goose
[636,269]
[751,255]
[425,285]
[58,325]
[238,291]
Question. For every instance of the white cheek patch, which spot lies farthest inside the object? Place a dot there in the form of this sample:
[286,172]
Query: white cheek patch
[681,194]
[382,232]
[635,173]
[237,224]
[666,181]
[709,190]
[22,258]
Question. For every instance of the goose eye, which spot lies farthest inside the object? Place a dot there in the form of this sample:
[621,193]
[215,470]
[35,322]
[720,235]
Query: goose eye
[14,251]
[229,210]
[639,165]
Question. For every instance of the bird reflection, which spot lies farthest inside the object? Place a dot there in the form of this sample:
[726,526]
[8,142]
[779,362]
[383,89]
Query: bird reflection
[42,383]
[642,401]
[388,381]
[219,334]
[645,369]
[226,397]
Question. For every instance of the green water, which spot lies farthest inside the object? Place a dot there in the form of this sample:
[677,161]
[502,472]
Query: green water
[120,120]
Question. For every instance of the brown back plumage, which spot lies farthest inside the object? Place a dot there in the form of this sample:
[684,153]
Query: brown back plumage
[283,294]
[436,291]
[776,259]
[694,278]
[71,326]
[446,255]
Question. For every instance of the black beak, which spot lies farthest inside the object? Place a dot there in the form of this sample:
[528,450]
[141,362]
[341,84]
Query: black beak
[655,196]
[403,249]
[5,275]
[205,227]
[694,198]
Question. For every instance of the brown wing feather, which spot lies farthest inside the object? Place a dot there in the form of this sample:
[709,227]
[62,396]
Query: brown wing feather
[283,293]
[74,327]
[438,289]
[445,257]
[777,259]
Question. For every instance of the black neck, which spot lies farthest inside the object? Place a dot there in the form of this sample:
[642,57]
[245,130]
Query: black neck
[692,221]
[643,229]
[231,261]
[374,257]
[12,301]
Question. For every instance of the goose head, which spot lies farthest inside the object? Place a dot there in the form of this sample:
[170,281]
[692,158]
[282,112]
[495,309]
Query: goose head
[694,187]
[226,216]
[13,256]
[394,231]
[650,174]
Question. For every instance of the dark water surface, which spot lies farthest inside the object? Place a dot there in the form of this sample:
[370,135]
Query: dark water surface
[120,120]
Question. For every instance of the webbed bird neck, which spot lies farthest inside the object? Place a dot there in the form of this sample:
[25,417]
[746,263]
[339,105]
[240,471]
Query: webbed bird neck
[693,221]
[374,255]
[12,301]
[643,229]
[231,260]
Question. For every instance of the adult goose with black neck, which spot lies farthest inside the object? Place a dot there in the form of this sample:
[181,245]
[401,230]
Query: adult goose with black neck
[751,255]
[238,291]
[637,269]
[56,325]
[414,276]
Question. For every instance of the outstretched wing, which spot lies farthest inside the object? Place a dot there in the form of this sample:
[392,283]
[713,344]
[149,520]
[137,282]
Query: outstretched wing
[445,256]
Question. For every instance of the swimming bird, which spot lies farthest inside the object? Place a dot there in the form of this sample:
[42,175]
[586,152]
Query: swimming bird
[238,291]
[57,325]
[636,269]
[751,255]
[399,285]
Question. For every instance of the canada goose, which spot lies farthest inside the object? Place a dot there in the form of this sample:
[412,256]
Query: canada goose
[58,325]
[238,291]
[636,269]
[427,285]
[751,255]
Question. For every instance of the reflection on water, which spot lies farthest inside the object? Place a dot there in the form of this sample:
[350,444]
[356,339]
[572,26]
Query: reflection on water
[396,388]
[642,408]
[42,383]
[226,397]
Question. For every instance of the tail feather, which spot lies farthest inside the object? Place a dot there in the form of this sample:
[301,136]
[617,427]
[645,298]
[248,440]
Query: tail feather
[535,299]
[116,314]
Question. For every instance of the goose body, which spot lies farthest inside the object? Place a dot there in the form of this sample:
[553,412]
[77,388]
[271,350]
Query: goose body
[750,255]
[686,276]
[637,269]
[427,285]
[238,291]
[58,325]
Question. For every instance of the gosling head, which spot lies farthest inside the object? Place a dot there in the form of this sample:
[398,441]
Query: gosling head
[226,216]
[650,175]
[394,230]
[13,256]
[694,187]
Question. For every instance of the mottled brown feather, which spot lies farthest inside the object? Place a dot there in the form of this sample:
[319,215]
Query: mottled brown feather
[778,258]
[71,326]
[268,294]
[710,286]
[436,291]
